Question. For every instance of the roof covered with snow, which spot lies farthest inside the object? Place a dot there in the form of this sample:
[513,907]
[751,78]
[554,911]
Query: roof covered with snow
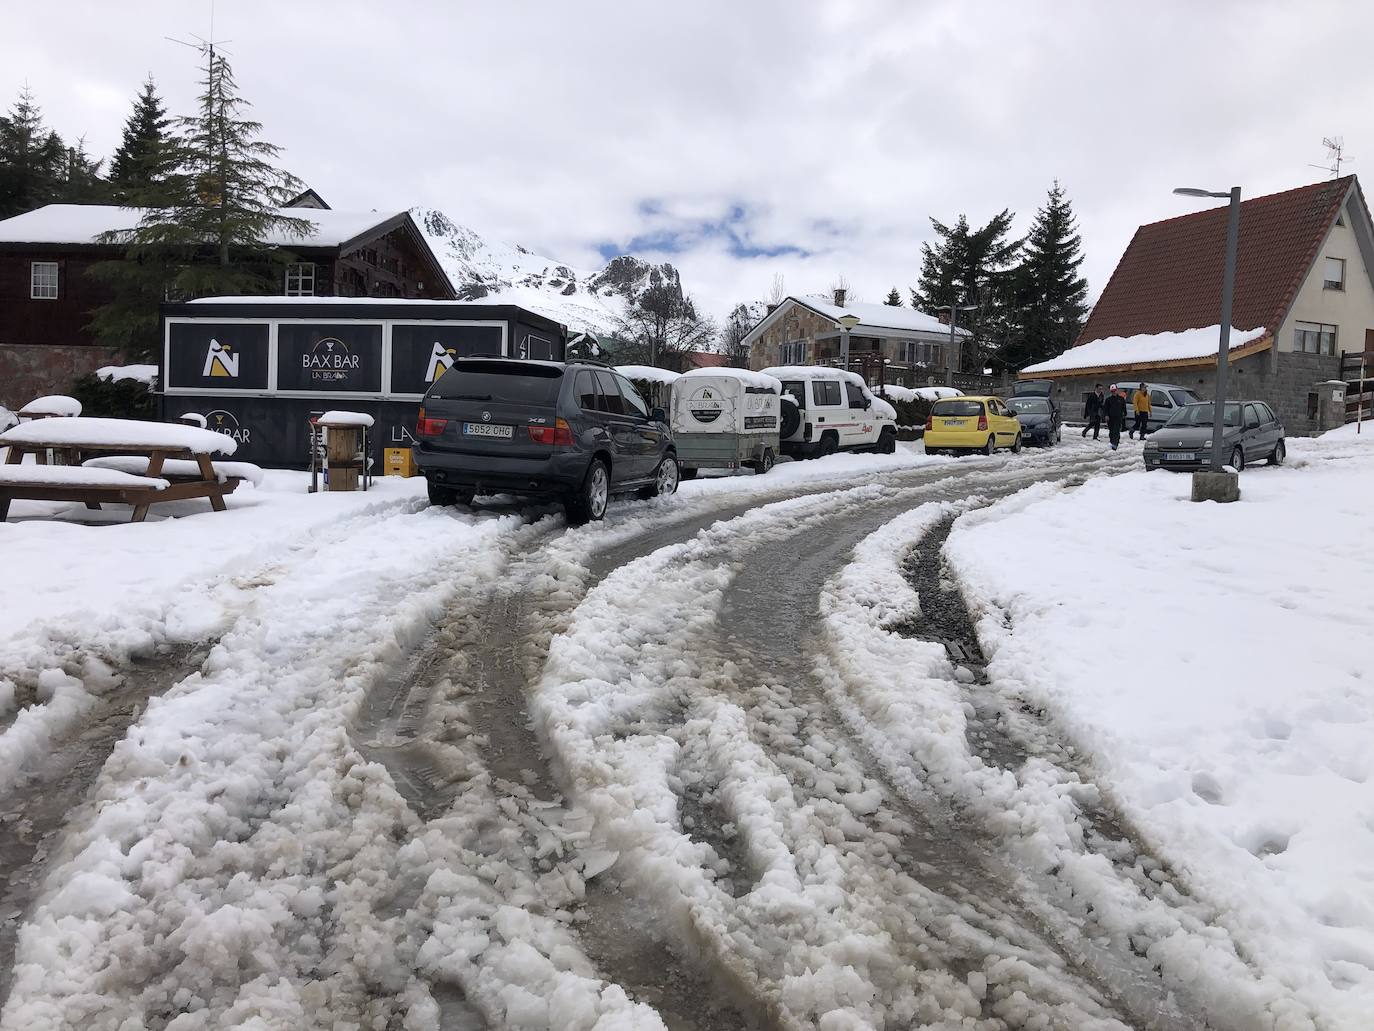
[753,379]
[880,316]
[648,373]
[1145,349]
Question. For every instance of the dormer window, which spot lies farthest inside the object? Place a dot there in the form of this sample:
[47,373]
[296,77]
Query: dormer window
[1333,278]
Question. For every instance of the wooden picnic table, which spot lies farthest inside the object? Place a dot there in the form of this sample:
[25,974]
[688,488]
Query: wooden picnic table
[76,438]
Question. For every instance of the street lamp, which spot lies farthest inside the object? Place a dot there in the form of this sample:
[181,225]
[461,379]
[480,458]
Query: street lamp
[847,322]
[954,310]
[1228,285]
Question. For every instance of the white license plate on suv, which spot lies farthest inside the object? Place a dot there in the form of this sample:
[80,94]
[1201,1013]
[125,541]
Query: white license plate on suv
[486,429]
[1180,456]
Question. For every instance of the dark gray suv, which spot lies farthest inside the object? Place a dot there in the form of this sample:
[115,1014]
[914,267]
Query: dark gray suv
[578,432]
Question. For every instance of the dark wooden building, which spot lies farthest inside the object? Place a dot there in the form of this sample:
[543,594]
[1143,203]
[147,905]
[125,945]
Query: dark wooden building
[47,294]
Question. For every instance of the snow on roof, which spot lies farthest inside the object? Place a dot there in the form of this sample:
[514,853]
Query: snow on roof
[83,223]
[52,404]
[753,379]
[1144,349]
[648,373]
[131,433]
[792,372]
[882,316]
[142,373]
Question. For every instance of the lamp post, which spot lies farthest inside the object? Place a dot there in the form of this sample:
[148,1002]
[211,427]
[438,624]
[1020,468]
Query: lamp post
[954,310]
[1228,285]
[847,322]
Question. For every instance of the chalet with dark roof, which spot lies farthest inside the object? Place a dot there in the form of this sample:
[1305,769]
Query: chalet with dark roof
[1304,294]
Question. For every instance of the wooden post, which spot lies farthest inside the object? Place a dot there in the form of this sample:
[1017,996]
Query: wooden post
[342,444]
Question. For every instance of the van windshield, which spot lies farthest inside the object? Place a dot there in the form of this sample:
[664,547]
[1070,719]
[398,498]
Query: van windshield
[957,408]
[513,382]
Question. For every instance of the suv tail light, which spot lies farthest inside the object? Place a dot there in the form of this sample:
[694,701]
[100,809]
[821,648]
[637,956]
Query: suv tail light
[982,422]
[559,433]
[930,422]
[427,427]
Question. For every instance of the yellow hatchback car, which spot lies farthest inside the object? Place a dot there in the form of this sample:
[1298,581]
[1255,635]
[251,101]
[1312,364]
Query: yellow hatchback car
[964,424]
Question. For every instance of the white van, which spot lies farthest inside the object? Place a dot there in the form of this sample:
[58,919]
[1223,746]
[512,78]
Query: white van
[827,410]
[725,419]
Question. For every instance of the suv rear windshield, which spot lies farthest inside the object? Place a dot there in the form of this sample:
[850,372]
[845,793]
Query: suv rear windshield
[1184,397]
[956,409]
[518,382]
[1029,405]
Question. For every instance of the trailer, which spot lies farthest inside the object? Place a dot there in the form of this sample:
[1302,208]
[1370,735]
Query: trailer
[725,419]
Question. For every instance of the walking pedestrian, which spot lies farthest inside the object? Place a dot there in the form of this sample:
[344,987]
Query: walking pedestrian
[1092,411]
[1140,403]
[1114,410]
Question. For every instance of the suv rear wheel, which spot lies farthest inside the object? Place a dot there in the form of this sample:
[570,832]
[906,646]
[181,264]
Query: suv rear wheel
[887,442]
[665,479]
[589,503]
[830,443]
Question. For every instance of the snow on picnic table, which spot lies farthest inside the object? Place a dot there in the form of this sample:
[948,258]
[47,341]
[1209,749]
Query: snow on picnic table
[52,404]
[342,419]
[75,476]
[1212,660]
[130,433]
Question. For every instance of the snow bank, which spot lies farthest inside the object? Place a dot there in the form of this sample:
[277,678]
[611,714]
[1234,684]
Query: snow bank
[145,374]
[341,419]
[1212,662]
[648,373]
[53,404]
[753,379]
[921,393]
[122,432]
[1110,352]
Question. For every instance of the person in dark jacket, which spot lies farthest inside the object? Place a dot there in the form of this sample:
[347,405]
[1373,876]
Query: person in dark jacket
[1114,408]
[1092,411]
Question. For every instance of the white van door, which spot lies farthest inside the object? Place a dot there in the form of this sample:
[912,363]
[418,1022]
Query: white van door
[862,428]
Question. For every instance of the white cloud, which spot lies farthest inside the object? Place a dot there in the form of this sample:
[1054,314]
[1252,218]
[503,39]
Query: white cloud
[553,125]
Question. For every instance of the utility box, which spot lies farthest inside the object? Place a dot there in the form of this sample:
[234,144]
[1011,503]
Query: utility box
[398,461]
[1330,403]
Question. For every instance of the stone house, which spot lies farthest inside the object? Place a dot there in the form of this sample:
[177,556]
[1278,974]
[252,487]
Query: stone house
[889,344]
[1304,294]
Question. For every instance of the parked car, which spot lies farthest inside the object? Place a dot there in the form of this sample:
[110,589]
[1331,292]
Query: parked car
[725,419]
[576,432]
[1039,418]
[831,410]
[1035,388]
[1165,400]
[963,424]
[1250,432]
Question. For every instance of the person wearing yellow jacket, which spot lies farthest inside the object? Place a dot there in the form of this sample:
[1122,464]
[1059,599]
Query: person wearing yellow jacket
[1140,402]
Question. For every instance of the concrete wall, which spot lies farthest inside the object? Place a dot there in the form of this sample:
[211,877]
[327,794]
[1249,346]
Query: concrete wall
[33,370]
[1283,381]
[1351,310]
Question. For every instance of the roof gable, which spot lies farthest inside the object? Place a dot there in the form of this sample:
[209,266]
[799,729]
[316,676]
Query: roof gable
[881,317]
[1169,279]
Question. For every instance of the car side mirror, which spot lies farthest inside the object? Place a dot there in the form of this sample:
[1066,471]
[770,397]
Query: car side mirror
[868,403]
[658,415]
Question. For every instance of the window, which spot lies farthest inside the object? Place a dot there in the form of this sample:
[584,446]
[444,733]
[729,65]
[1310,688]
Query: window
[610,400]
[1183,397]
[586,392]
[1252,417]
[797,389]
[854,394]
[1334,276]
[1160,399]
[634,404]
[792,353]
[43,281]
[957,409]
[300,279]
[825,391]
[1266,413]
[1314,338]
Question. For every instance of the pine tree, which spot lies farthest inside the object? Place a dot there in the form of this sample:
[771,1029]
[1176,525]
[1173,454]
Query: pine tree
[894,298]
[32,159]
[1050,296]
[219,204]
[146,156]
[970,266]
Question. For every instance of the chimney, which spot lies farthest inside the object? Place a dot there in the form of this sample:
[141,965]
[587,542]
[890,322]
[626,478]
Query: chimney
[772,308]
[839,296]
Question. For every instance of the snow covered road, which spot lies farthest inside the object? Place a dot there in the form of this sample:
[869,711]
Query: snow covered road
[700,767]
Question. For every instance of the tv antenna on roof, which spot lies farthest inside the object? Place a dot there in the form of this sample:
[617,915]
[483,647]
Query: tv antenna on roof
[1335,154]
[205,46]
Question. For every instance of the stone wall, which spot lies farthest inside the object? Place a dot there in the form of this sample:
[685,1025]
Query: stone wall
[796,324]
[33,370]
[1283,381]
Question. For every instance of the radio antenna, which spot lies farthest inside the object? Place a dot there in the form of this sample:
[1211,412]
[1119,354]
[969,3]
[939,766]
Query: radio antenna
[1335,155]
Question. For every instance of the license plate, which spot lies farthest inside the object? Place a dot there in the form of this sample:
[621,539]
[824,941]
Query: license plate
[485,429]
[954,422]
[1180,456]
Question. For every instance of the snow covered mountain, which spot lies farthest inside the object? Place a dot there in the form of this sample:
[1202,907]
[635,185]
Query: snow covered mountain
[585,301]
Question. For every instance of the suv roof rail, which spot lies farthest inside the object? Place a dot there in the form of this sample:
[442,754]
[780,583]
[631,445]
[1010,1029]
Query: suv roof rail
[588,361]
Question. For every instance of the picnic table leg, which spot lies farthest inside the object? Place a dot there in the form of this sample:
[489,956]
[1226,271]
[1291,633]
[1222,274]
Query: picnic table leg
[207,472]
[140,514]
[4,509]
[155,460]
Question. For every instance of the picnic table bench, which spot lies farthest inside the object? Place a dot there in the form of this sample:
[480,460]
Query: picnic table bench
[188,446]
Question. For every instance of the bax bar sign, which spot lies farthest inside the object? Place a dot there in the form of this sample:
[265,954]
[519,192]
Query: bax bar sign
[329,361]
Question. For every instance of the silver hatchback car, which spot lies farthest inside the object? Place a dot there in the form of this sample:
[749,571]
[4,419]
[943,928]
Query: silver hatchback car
[1251,432]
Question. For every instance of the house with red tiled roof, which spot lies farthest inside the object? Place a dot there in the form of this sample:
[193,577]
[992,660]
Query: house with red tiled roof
[1304,294]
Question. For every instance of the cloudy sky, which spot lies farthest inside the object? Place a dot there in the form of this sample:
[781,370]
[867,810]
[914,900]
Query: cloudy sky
[748,138]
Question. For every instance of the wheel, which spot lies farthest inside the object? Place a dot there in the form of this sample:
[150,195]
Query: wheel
[1016,445]
[439,495]
[687,472]
[830,443]
[665,479]
[1280,453]
[589,503]
[1238,460]
[990,446]
[765,464]
[887,443]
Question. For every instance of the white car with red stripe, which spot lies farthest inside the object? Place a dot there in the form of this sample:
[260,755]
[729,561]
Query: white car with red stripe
[828,410]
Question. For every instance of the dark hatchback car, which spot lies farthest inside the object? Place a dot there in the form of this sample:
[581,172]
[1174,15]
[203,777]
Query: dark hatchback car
[1250,432]
[573,432]
[1039,419]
